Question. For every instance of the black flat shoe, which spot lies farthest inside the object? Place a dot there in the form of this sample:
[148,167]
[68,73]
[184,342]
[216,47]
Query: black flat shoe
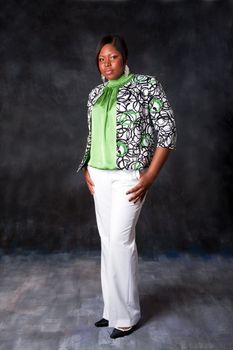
[117,333]
[102,323]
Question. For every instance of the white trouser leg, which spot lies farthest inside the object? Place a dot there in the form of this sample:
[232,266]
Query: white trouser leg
[116,220]
[102,199]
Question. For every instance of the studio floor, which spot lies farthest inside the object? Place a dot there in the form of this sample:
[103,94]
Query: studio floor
[50,302]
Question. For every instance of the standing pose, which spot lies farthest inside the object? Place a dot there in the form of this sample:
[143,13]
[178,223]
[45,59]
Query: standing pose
[131,132]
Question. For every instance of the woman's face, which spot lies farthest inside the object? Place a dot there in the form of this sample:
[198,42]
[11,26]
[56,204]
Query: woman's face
[110,62]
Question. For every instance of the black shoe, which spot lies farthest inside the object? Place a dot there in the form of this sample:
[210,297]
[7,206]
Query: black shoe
[102,323]
[117,333]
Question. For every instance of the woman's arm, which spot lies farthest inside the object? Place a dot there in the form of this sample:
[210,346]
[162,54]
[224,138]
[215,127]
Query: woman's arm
[149,175]
[162,117]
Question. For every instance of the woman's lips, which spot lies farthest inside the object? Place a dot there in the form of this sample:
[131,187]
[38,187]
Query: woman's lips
[108,71]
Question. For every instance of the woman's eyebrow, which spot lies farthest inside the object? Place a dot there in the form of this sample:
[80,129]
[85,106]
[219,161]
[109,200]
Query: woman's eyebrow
[109,54]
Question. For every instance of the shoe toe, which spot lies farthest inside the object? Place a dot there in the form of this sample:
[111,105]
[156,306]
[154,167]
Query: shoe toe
[117,333]
[102,323]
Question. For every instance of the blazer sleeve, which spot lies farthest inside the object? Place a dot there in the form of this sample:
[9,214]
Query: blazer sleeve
[86,155]
[162,116]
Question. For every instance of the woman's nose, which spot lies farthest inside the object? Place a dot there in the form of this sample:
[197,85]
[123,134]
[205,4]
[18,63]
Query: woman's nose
[107,62]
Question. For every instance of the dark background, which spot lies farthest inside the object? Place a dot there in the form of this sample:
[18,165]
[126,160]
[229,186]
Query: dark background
[47,55]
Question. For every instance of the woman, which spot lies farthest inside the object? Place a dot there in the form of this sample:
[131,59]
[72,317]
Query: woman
[131,133]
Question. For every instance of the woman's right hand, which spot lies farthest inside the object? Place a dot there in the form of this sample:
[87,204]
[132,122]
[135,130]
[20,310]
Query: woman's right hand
[89,182]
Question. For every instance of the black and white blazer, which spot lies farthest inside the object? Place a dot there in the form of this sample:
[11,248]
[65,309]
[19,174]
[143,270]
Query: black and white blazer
[144,121]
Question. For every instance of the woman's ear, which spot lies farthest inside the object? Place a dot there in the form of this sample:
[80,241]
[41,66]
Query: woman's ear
[126,70]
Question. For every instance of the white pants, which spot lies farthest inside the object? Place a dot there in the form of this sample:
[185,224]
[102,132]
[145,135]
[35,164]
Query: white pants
[116,220]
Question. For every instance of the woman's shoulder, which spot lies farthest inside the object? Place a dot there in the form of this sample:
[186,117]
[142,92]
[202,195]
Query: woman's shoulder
[94,92]
[145,79]
[97,88]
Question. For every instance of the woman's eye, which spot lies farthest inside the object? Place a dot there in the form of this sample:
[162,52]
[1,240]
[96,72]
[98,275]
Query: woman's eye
[113,57]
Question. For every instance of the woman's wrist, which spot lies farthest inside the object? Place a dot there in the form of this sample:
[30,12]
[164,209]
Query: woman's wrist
[151,175]
[158,160]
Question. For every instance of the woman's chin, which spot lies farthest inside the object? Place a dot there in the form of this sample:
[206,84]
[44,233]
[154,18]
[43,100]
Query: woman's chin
[112,76]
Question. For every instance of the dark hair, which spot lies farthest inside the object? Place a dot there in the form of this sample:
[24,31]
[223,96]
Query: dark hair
[117,41]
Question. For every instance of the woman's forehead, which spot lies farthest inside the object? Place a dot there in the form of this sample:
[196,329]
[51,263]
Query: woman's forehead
[108,49]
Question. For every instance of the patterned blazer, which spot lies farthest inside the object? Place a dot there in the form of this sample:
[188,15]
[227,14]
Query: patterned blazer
[144,121]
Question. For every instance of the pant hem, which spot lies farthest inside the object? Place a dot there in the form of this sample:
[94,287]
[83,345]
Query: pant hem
[124,323]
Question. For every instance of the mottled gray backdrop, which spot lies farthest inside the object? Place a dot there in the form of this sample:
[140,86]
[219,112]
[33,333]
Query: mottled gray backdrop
[47,69]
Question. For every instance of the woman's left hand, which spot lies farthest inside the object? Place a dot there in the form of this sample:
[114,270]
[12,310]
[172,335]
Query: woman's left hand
[141,188]
[149,174]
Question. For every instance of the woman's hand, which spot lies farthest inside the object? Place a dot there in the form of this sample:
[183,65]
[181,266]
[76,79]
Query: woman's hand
[141,188]
[89,182]
[148,176]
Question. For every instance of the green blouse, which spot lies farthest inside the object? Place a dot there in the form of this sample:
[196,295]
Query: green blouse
[103,126]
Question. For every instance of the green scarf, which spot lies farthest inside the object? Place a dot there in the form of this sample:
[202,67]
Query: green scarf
[103,125]
[109,96]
